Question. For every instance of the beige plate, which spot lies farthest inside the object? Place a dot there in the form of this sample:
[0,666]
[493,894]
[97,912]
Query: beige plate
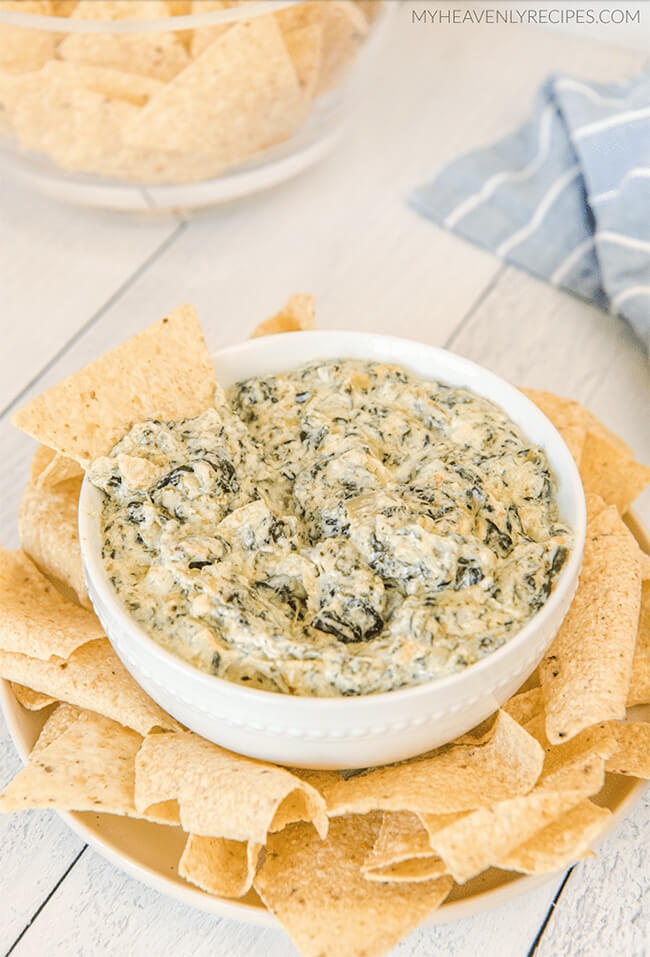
[150,852]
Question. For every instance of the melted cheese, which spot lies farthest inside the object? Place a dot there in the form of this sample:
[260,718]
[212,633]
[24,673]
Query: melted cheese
[342,529]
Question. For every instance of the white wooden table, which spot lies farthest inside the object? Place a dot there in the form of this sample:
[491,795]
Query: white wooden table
[74,284]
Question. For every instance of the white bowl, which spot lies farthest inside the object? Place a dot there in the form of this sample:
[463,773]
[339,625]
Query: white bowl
[349,732]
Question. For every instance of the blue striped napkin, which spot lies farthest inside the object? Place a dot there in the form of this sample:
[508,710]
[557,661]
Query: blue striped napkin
[566,197]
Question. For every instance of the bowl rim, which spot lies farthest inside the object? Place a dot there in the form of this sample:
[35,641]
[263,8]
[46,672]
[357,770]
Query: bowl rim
[97,579]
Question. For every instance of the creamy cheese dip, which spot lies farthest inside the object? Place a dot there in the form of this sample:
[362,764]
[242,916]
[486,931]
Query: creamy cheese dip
[341,529]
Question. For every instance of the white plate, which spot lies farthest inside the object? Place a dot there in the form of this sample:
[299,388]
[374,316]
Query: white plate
[150,852]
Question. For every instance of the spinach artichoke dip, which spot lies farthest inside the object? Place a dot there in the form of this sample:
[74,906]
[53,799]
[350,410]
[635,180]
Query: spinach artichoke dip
[342,529]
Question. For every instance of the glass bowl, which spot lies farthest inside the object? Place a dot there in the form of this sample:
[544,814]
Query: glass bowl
[145,105]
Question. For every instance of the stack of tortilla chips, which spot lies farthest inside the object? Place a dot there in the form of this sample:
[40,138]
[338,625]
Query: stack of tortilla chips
[170,106]
[348,862]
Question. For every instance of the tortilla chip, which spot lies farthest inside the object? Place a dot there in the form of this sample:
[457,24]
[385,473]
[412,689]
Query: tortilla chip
[35,619]
[61,718]
[76,765]
[41,8]
[70,123]
[294,808]
[163,372]
[586,673]
[567,414]
[323,781]
[159,55]
[632,755]
[575,437]
[475,841]
[220,794]
[49,468]
[240,96]
[595,507]
[611,473]
[48,527]
[305,46]
[561,843]
[93,678]
[370,7]
[639,692]
[642,557]
[469,843]
[219,866]
[121,10]
[179,8]
[460,777]
[402,835]
[603,519]
[525,706]
[318,894]
[402,851]
[202,37]
[42,459]
[344,29]
[568,417]
[89,766]
[133,88]
[22,49]
[31,700]
[413,871]
[297,316]
[59,469]
[578,763]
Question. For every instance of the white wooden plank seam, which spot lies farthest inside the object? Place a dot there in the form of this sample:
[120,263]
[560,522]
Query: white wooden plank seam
[45,900]
[549,915]
[96,317]
[487,291]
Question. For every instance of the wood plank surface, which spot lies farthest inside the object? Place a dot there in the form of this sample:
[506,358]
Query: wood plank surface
[75,284]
